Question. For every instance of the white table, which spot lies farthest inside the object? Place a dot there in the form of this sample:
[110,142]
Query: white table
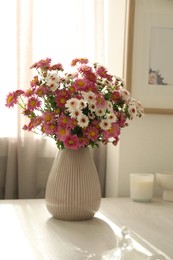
[28,232]
[151,222]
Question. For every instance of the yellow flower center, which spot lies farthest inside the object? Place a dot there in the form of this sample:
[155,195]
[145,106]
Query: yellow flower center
[62,132]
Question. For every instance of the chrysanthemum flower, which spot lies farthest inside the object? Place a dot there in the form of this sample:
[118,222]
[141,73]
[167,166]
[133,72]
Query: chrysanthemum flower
[80,60]
[100,101]
[76,113]
[72,104]
[83,121]
[34,122]
[100,112]
[114,131]
[62,120]
[111,117]
[11,99]
[57,66]
[48,116]
[42,64]
[71,89]
[62,132]
[122,119]
[92,133]
[34,82]
[82,103]
[85,69]
[83,141]
[115,95]
[41,91]
[105,124]
[102,72]
[80,84]
[33,103]
[71,142]
[61,97]
[132,111]
[29,92]
[92,107]
[50,128]
[125,94]
[109,106]
[52,81]
[89,96]
[72,123]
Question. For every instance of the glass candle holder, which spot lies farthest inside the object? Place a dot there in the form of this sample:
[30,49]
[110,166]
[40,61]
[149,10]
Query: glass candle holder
[141,186]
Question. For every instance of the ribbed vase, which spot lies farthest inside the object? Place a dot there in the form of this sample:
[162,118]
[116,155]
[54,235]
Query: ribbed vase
[73,187]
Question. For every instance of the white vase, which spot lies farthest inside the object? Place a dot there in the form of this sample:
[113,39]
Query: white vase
[73,187]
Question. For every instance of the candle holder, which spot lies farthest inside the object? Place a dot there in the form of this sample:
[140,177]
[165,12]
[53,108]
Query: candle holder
[165,180]
[141,186]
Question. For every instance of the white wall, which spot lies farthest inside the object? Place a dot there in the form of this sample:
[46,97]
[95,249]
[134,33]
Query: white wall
[146,145]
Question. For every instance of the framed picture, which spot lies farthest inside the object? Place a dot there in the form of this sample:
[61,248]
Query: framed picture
[148,69]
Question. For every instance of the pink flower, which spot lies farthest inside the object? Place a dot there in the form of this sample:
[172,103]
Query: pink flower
[41,91]
[102,72]
[62,120]
[33,103]
[42,64]
[80,84]
[71,142]
[61,97]
[92,133]
[34,82]
[83,141]
[72,123]
[48,116]
[50,128]
[34,122]
[57,66]
[122,119]
[79,60]
[115,96]
[12,97]
[100,101]
[62,133]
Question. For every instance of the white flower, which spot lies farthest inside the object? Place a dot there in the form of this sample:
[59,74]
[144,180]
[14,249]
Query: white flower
[69,76]
[92,107]
[140,108]
[83,121]
[76,113]
[132,109]
[125,94]
[52,81]
[72,104]
[82,103]
[111,117]
[89,96]
[100,112]
[105,124]
[109,106]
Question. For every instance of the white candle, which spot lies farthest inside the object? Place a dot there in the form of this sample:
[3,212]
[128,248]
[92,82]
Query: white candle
[141,187]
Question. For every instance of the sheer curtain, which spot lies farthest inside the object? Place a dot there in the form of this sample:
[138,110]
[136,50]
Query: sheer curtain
[34,30]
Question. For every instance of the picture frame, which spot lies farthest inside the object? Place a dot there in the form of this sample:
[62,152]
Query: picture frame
[149,54]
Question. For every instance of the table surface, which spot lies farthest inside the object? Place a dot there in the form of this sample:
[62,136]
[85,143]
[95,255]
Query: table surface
[152,222]
[27,230]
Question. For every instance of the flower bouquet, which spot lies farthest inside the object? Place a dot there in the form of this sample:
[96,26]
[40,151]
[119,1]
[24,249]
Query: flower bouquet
[81,108]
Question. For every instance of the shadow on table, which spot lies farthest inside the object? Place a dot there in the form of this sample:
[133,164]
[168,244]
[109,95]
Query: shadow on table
[82,239]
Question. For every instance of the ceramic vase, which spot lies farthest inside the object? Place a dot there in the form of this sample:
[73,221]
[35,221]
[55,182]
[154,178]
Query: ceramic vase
[73,187]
